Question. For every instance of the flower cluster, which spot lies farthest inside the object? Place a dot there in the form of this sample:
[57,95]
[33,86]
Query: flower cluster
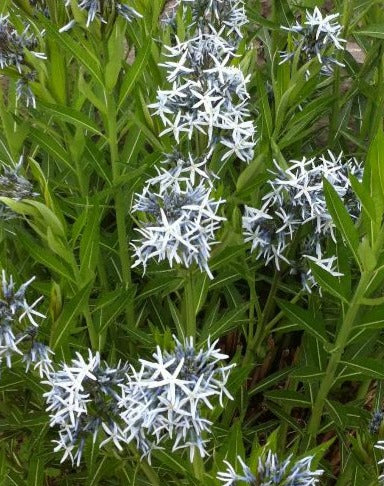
[40,6]
[83,400]
[102,10]
[181,215]
[14,308]
[24,91]
[296,200]
[13,47]
[168,397]
[14,186]
[273,471]
[316,39]
[229,14]
[380,445]
[208,95]
[376,421]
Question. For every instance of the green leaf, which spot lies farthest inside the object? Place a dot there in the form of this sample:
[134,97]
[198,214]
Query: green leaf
[115,53]
[367,366]
[49,217]
[52,147]
[285,417]
[248,176]
[110,306]
[265,110]
[374,30]
[231,320]
[40,254]
[160,285]
[89,245]
[373,179]
[289,397]
[176,318]
[232,446]
[328,282]
[271,380]
[66,322]
[35,470]
[346,415]
[307,373]
[135,71]
[74,117]
[342,219]
[367,255]
[364,196]
[305,320]
[88,60]
[373,319]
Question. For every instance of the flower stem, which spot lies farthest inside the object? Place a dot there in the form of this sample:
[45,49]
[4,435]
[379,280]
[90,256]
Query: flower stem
[338,350]
[120,200]
[146,468]
[189,302]
[198,466]
[340,344]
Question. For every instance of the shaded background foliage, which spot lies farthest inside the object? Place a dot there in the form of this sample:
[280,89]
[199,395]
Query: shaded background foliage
[92,143]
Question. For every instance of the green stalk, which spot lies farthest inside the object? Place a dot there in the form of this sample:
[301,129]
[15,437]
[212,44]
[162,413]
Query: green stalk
[377,118]
[340,344]
[253,301]
[259,336]
[93,335]
[150,473]
[120,199]
[146,468]
[189,304]
[336,108]
[198,466]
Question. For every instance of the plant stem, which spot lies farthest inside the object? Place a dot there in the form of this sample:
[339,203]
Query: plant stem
[198,466]
[253,301]
[150,473]
[341,343]
[377,118]
[336,108]
[145,467]
[190,313]
[259,336]
[120,201]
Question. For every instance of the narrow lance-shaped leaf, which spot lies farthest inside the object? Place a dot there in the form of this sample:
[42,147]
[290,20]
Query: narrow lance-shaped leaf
[373,180]
[342,219]
[305,320]
[370,367]
[67,319]
[328,282]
